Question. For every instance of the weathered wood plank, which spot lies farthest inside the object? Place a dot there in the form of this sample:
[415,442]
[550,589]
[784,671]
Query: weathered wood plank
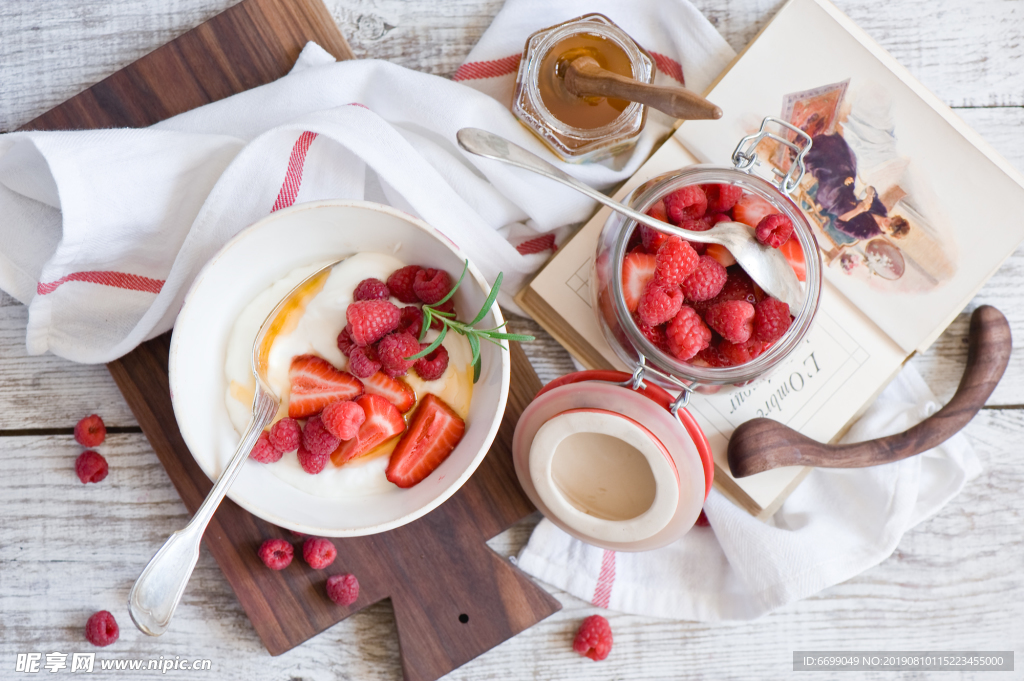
[967,52]
[952,584]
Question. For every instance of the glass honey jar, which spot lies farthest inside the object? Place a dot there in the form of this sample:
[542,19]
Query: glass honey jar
[580,129]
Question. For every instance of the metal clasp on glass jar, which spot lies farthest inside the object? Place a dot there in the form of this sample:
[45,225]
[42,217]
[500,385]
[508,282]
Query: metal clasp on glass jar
[639,352]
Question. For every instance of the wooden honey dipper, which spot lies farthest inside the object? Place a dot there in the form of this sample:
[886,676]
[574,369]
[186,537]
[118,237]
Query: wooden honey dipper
[584,77]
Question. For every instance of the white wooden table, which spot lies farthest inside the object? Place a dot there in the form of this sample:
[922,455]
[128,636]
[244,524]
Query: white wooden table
[67,550]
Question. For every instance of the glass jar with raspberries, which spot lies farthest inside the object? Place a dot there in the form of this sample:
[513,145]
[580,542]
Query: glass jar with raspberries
[686,309]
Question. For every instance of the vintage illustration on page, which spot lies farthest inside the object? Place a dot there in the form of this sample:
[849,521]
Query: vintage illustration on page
[873,212]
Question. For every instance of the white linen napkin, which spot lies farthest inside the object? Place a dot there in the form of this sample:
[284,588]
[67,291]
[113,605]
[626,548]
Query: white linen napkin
[102,232]
[838,523]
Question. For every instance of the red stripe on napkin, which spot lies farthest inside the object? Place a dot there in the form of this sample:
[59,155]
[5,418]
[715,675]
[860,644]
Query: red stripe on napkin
[488,69]
[605,580]
[670,67]
[538,244]
[131,282]
[293,176]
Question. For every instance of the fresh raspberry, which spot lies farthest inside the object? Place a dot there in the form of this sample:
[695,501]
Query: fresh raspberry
[435,323]
[285,435]
[91,467]
[342,419]
[363,362]
[90,431]
[400,283]
[343,589]
[722,197]
[659,304]
[319,552]
[686,334]
[431,367]
[412,321]
[310,462]
[675,260]
[738,286]
[774,230]
[431,285]
[715,218]
[316,439]
[655,334]
[594,638]
[706,281]
[734,319]
[688,203]
[371,320]
[652,239]
[101,629]
[276,554]
[740,353]
[701,224]
[771,319]
[712,356]
[264,451]
[345,342]
[394,349]
[371,289]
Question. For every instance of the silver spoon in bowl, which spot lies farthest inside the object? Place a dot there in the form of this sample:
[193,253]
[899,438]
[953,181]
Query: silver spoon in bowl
[765,265]
[159,588]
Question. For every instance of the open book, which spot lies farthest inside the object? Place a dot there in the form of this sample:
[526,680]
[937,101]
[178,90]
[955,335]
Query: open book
[909,207]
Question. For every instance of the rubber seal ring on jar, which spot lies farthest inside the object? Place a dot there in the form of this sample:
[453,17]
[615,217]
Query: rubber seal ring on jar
[661,397]
[604,475]
[640,435]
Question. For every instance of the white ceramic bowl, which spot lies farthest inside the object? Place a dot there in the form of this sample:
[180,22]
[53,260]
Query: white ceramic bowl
[248,264]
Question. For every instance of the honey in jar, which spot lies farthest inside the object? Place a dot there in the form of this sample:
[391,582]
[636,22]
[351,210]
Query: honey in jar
[580,129]
[582,112]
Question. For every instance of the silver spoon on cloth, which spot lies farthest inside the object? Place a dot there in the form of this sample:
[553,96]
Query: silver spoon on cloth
[159,588]
[765,265]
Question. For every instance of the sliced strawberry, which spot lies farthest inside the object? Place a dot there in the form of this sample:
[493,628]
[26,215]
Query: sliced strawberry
[316,383]
[637,270]
[433,433]
[394,390]
[750,209]
[795,256]
[382,423]
[721,254]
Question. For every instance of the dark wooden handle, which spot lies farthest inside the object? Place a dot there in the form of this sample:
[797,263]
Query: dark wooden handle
[762,444]
[584,77]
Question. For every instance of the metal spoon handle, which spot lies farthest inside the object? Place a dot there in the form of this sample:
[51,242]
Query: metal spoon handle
[159,588]
[489,145]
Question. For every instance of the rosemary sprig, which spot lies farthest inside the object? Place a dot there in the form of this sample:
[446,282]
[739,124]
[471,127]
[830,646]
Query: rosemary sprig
[467,329]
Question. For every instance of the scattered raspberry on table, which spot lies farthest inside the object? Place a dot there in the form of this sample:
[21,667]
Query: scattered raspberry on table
[594,638]
[343,589]
[318,552]
[276,554]
[91,467]
[101,629]
[90,431]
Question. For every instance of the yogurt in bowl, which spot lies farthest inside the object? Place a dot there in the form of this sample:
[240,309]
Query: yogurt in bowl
[285,244]
[312,328]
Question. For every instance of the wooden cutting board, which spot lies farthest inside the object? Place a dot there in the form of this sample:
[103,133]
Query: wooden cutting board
[453,597]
